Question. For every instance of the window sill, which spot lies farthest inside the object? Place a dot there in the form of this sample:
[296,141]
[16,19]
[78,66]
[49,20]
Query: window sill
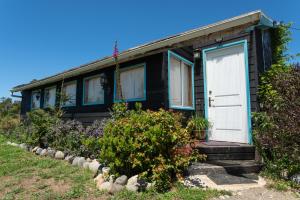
[183,107]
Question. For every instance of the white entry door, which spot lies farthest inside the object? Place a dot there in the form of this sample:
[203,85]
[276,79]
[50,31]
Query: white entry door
[226,94]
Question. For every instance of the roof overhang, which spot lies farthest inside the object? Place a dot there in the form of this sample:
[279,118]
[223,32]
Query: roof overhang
[252,17]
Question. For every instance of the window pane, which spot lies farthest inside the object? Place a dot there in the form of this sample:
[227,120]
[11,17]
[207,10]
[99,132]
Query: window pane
[94,92]
[36,99]
[132,83]
[175,82]
[69,92]
[187,85]
[50,97]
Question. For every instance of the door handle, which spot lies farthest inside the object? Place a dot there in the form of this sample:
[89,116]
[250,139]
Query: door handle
[209,101]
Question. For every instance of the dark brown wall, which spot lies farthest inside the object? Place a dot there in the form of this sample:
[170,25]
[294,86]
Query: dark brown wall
[154,88]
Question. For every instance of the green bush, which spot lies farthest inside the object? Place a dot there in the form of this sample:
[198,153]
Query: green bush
[39,124]
[150,143]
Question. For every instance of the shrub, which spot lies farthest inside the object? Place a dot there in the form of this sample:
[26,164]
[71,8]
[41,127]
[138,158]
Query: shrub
[91,140]
[67,136]
[277,127]
[39,123]
[145,142]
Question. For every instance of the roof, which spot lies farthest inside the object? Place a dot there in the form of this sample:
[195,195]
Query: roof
[251,17]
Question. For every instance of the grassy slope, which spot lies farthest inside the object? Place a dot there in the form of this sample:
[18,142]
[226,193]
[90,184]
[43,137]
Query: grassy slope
[27,176]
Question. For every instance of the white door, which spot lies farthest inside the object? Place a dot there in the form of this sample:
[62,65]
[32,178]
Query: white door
[226,103]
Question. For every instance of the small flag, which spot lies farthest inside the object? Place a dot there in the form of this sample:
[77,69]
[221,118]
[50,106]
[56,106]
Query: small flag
[116,51]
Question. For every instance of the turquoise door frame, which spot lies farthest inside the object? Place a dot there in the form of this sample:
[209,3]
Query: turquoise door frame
[245,46]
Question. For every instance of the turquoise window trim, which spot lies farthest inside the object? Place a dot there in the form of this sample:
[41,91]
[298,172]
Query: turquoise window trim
[83,93]
[31,99]
[245,47]
[69,83]
[126,69]
[170,53]
[49,88]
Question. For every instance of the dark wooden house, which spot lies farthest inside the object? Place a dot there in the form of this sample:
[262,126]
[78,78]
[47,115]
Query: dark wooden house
[212,70]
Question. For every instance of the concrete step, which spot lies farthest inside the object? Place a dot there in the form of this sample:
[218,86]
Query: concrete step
[234,167]
[246,152]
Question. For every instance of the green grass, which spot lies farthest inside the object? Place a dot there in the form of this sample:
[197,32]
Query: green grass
[24,175]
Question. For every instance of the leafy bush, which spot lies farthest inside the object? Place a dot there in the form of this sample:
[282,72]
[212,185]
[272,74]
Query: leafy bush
[40,122]
[145,142]
[277,126]
[9,116]
[66,136]
[91,140]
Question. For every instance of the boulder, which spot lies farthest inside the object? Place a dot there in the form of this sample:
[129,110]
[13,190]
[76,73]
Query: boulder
[69,158]
[44,152]
[51,153]
[122,180]
[104,186]
[132,184]
[88,160]
[132,188]
[14,144]
[105,171]
[94,166]
[24,146]
[85,165]
[8,142]
[296,178]
[34,149]
[99,180]
[133,180]
[38,151]
[115,188]
[78,161]
[59,155]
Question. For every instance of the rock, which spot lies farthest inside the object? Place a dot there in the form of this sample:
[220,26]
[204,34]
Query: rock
[38,151]
[94,166]
[122,180]
[8,142]
[296,178]
[59,155]
[44,152]
[193,182]
[69,158]
[24,146]
[34,149]
[51,153]
[78,161]
[133,180]
[14,144]
[104,186]
[132,188]
[86,165]
[115,188]
[149,186]
[99,179]
[105,171]
[88,160]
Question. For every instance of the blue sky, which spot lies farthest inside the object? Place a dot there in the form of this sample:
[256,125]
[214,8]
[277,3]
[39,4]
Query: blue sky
[39,38]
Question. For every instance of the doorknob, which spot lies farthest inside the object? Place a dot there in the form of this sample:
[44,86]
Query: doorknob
[209,101]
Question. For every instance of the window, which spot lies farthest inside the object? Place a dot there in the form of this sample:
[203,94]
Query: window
[181,76]
[69,94]
[36,99]
[93,92]
[133,83]
[50,97]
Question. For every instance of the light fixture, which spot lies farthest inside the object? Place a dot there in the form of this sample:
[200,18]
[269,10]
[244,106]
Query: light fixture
[219,39]
[197,53]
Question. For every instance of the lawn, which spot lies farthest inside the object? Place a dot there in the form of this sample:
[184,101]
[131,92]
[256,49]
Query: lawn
[24,175]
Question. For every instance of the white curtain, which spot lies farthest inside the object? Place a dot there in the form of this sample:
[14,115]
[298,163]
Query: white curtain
[132,83]
[186,84]
[94,91]
[175,82]
[36,99]
[180,83]
[70,92]
[50,97]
